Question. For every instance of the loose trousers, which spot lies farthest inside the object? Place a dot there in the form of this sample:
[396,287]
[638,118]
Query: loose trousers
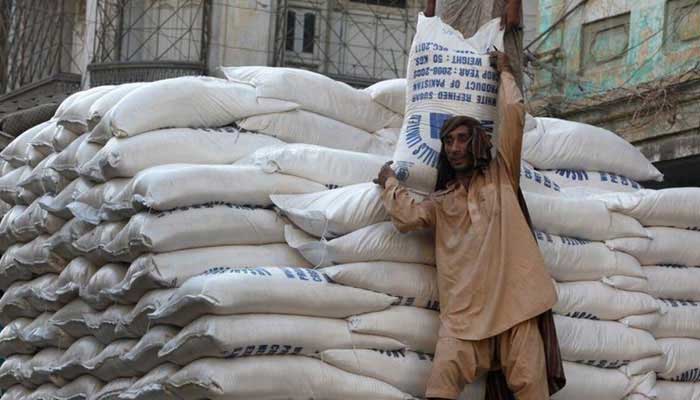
[519,352]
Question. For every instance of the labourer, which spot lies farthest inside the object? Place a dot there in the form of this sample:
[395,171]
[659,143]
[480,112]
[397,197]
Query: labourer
[495,294]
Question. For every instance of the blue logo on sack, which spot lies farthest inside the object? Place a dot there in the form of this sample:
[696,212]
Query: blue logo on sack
[437,120]
[402,174]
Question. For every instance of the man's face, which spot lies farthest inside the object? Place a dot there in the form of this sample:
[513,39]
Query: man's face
[456,144]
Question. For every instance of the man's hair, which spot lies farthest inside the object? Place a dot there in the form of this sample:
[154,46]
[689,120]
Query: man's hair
[480,148]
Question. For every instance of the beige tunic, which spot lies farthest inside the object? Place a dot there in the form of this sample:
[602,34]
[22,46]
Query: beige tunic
[491,275]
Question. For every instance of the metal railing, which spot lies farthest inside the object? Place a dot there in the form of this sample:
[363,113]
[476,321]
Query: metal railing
[145,40]
[38,40]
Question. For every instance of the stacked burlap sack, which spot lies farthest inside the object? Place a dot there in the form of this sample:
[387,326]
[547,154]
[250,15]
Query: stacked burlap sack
[327,113]
[235,315]
[369,280]
[669,261]
[567,168]
[36,240]
[177,239]
[307,331]
[134,193]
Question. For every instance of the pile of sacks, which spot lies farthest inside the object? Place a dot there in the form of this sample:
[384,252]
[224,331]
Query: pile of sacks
[169,275]
[143,259]
[601,289]
[669,260]
[219,238]
[647,279]
[325,112]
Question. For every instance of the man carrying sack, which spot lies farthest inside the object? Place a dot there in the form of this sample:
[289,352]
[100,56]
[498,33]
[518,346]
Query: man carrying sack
[495,294]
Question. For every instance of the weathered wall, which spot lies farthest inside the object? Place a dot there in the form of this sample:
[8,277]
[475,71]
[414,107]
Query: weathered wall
[607,44]
[631,66]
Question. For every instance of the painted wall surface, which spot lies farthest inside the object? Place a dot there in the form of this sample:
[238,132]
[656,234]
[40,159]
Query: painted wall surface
[608,44]
[629,66]
[530,20]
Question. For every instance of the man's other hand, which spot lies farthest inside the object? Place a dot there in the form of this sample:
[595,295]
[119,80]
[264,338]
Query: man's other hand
[500,61]
[429,8]
[510,20]
[385,173]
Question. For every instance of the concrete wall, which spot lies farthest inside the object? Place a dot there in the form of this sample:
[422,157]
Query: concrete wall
[531,20]
[241,33]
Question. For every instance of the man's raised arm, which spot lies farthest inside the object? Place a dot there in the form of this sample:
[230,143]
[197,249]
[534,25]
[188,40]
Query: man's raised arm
[429,8]
[511,117]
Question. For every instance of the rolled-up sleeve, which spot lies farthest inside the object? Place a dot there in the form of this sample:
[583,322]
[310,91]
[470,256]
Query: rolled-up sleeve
[407,213]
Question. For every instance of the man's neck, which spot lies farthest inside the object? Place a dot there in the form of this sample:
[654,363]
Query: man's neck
[464,176]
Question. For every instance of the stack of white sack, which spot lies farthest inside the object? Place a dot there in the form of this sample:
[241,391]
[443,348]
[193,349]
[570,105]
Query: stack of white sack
[327,112]
[296,324]
[138,198]
[600,290]
[669,261]
[36,236]
[145,260]
[373,278]
[345,232]
[585,159]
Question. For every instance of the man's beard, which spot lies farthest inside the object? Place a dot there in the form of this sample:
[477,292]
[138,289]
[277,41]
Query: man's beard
[464,168]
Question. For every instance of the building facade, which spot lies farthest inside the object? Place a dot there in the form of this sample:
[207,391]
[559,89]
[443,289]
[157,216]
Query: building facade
[114,41]
[633,67]
[356,41]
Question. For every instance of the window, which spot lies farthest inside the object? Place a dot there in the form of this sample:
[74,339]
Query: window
[386,3]
[309,33]
[301,31]
[291,22]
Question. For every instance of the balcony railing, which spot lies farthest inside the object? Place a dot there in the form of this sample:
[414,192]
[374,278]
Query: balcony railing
[146,40]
